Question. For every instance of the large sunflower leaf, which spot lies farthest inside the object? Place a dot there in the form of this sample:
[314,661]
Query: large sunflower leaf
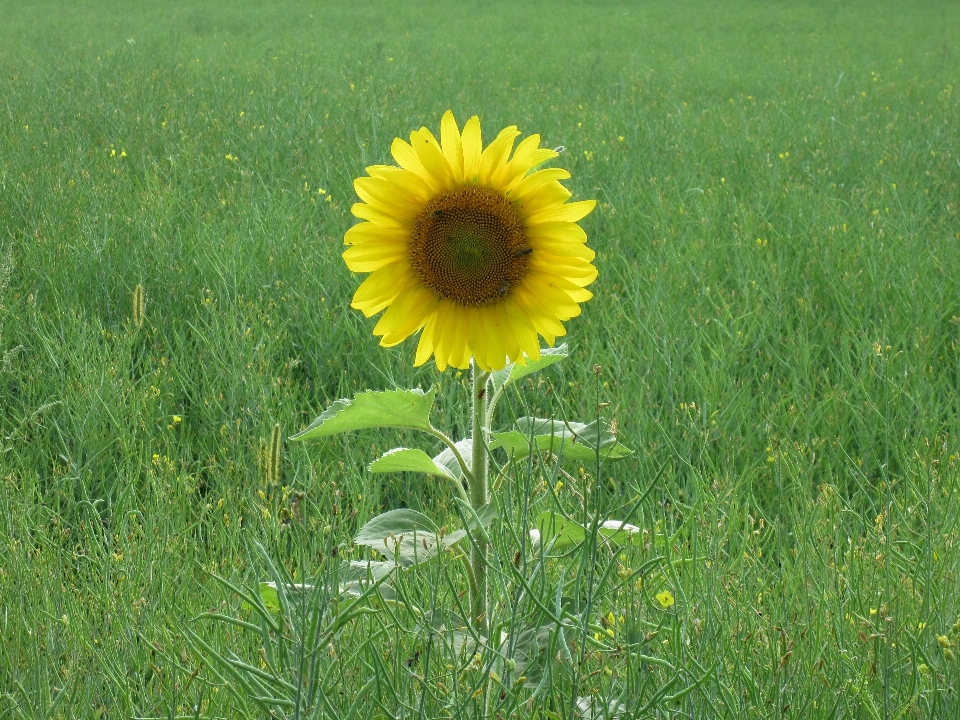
[271,598]
[394,522]
[406,536]
[620,532]
[357,575]
[448,460]
[575,441]
[590,435]
[515,371]
[554,528]
[384,408]
[410,460]
[562,532]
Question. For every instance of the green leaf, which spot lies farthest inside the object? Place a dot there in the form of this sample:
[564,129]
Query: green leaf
[394,522]
[357,575]
[268,594]
[385,408]
[515,371]
[575,441]
[480,518]
[411,460]
[589,435]
[271,597]
[554,528]
[529,651]
[406,536]
[447,459]
[620,532]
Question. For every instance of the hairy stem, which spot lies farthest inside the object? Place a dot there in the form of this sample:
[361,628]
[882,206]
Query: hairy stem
[479,496]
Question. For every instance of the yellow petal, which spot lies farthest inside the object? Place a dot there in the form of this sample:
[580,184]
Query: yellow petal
[562,266]
[562,252]
[425,346]
[443,334]
[568,212]
[372,256]
[523,329]
[403,181]
[379,217]
[381,287]
[484,333]
[476,334]
[366,232]
[549,195]
[540,156]
[382,195]
[517,166]
[508,337]
[408,159]
[452,147]
[459,348]
[579,295]
[557,232]
[378,170]
[522,160]
[571,286]
[496,153]
[406,314]
[544,297]
[431,157]
[534,181]
[472,145]
[544,320]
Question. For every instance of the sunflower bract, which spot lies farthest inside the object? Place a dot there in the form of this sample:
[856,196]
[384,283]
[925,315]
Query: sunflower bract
[472,246]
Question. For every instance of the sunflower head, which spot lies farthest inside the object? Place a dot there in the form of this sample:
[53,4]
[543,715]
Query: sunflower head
[472,246]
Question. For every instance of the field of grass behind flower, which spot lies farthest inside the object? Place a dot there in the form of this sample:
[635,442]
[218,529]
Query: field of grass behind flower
[777,317]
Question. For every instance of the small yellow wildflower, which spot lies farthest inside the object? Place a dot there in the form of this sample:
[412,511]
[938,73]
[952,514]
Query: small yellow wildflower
[665,599]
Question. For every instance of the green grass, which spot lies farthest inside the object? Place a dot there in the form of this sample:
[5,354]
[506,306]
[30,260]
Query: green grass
[777,317]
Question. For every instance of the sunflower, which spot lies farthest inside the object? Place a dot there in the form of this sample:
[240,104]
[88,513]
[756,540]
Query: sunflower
[477,248]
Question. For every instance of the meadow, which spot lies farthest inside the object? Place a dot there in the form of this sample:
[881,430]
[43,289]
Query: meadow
[776,321]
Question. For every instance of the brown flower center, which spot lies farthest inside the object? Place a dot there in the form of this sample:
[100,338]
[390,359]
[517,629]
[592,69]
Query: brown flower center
[469,246]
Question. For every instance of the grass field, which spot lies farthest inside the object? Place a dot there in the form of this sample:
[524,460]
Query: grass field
[777,317]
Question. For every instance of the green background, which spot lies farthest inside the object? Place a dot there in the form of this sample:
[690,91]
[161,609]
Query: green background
[777,316]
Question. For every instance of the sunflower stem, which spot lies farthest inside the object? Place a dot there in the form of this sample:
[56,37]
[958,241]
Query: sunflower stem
[479,495]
